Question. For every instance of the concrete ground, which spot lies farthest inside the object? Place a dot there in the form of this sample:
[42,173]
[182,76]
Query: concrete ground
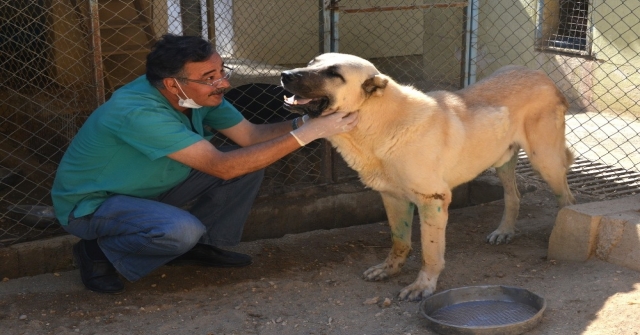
[311,283]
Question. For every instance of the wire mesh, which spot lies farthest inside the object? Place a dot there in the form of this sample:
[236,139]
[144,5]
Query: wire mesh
[60,59]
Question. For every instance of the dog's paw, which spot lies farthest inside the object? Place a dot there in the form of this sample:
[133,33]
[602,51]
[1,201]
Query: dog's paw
[421,288]
[499,237]
[378,272]
[416,292]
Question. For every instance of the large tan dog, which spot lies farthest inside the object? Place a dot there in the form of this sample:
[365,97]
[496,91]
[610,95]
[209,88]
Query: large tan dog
[414,147]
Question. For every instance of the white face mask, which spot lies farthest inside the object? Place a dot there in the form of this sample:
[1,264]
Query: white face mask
[188,102]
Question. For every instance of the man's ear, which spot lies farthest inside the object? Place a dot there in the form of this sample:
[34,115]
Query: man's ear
[375,85]
[171,85]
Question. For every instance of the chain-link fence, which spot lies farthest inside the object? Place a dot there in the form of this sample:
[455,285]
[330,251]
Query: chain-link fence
[60,59]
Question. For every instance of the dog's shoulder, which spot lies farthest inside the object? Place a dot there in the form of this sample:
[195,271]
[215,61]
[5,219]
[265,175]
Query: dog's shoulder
[448,101]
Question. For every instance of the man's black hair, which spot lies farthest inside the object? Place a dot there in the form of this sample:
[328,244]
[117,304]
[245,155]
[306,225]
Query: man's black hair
[170,53]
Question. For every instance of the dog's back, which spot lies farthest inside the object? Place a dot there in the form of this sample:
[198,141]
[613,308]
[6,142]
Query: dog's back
[515,86]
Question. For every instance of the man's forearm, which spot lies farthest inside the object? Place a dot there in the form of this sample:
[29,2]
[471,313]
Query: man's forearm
[269,131]
[203,156]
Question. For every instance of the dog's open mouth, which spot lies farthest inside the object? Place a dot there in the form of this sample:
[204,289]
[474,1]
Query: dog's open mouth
[312,107]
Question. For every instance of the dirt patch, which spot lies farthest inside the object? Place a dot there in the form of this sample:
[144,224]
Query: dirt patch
[311,283]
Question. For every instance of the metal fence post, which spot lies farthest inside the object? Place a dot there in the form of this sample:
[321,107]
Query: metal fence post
[471,40]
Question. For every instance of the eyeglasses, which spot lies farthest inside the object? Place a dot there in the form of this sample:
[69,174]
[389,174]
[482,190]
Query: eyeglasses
[226,74]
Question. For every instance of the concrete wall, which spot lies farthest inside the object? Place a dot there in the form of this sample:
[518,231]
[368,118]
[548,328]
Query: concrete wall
[68,53]
[616,46]
[380,34]
[368,35]
[442,41]
[507,35]
[258,23]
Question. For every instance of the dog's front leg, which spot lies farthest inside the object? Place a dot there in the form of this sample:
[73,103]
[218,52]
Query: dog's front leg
[400,215]
[434,213]
[507,228]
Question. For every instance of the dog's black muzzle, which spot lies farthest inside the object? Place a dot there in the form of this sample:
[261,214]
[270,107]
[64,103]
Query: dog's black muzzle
[303,88]
[287,77]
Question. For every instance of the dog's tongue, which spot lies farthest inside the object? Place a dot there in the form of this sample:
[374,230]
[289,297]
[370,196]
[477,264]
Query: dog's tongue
[292,100]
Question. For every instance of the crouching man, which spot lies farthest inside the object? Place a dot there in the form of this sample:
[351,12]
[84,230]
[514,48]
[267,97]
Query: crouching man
[145,153]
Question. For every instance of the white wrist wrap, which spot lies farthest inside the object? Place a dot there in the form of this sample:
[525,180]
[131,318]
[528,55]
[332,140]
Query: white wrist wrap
[302,144]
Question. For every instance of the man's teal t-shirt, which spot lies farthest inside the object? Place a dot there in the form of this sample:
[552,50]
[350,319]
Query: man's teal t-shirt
[122,149]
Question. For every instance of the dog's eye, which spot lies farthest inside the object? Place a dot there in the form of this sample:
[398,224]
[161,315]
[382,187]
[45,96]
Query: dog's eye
[332,71]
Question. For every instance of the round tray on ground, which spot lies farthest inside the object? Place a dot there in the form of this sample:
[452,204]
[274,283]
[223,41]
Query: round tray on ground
[480,310]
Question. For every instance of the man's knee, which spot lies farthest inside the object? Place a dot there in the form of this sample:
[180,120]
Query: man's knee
[183,233]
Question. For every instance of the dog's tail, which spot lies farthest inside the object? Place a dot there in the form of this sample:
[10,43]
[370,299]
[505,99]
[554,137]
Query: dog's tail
[563,101]
[562,109]
[570,157]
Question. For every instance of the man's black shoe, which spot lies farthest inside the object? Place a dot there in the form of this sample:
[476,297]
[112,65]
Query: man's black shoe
[97,275]
[208,255]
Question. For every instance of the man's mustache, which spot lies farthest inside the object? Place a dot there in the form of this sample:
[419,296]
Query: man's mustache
[220,91]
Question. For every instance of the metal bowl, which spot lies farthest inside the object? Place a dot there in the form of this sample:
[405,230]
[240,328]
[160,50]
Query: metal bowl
[483,310]
[40,217]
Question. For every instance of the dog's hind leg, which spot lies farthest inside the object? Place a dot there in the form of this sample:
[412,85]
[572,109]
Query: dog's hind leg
[434,213]
[400,214]
[552,166]
[547,149]
[506,229]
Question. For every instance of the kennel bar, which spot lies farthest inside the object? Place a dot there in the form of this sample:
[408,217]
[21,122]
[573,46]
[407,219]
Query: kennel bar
[96,41]
[471,40]
[392,8]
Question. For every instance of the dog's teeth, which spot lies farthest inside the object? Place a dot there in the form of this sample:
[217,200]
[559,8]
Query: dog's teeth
[290,100]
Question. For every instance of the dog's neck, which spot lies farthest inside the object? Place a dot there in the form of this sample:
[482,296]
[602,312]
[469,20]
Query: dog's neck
[375,119]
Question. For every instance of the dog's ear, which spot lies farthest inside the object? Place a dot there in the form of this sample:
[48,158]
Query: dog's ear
[374,85]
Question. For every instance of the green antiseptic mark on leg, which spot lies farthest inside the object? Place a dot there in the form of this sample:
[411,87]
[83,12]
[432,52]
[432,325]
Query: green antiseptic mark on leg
[401,230]
[398,234]
[427,211]
[410,210]
[409,219]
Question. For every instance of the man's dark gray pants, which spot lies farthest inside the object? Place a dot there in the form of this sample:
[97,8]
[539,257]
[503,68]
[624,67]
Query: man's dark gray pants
[139,235]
